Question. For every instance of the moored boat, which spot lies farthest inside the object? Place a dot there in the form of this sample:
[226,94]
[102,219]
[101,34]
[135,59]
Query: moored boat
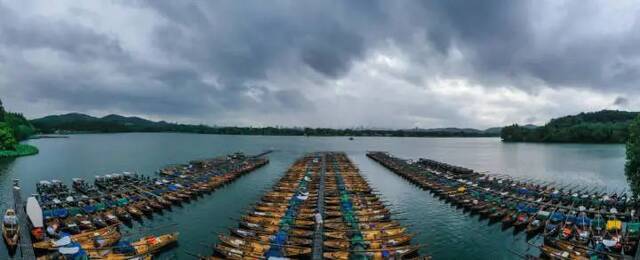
[10,228]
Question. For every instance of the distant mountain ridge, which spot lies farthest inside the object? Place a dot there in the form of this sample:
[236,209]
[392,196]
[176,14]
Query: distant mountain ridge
[606,126]
[76,122]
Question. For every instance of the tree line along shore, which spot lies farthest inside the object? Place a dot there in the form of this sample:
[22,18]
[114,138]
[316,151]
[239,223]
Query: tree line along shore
[14,127]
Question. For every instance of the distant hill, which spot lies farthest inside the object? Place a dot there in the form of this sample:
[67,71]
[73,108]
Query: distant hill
[606,126]
[81,123]
[75,122]
[494,131]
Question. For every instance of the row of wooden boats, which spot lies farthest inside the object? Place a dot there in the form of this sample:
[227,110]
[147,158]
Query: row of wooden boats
[320,202]
[563,222]
[82,221]
[121,198]
[105,243]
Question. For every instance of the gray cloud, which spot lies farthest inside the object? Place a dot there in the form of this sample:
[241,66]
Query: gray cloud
[621,101]
[269,62]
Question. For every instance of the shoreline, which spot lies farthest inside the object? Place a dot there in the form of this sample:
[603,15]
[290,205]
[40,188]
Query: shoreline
[21,150]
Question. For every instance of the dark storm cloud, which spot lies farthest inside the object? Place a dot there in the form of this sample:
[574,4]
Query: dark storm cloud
[221,56]
[499,39]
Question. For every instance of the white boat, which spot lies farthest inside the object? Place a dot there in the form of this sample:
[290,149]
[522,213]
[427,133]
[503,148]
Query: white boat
[34,212]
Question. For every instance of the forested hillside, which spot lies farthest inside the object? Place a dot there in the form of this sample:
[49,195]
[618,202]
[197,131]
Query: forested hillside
[14,127]
[606,126]
[81,123]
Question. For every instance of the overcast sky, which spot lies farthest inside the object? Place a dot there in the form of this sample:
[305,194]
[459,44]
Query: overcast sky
[394,64]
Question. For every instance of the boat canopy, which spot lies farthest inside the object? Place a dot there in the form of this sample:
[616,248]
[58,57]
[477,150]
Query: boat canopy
[75,211]
[543,213]
[10,220]
[60,213]
[89,209]
[62,241]
[583,221]
[34,212]
[73,251]
[633,228]
[614,224]
[557,216]
[532,209]
[100,206]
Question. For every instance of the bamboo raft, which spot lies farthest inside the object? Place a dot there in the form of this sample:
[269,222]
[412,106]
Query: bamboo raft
[576,221]
[284,222]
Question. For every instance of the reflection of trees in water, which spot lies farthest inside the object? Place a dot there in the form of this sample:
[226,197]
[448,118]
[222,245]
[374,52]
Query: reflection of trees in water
[5,164]
[6,196]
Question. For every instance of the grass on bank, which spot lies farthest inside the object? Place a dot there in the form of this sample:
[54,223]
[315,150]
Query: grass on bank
[21,150]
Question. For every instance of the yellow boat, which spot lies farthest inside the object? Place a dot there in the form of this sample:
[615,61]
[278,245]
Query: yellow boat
[146,246]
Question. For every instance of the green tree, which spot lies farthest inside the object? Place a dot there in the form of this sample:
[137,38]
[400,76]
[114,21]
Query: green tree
[1,112]
[7,140]
[632,166]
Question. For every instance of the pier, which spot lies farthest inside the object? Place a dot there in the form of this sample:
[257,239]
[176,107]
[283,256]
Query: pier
[262,154]
[318,236]
[518,202]
[25,249]
[356,222]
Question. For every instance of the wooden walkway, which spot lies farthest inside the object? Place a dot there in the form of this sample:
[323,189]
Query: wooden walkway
[25,248]
[318,236]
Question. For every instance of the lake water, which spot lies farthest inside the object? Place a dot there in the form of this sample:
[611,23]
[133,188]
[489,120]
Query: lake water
[446,232]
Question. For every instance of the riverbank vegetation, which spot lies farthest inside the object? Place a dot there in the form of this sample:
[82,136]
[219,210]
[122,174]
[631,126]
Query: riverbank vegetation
[606,126]
[632,166]
[80,123]
[14,127]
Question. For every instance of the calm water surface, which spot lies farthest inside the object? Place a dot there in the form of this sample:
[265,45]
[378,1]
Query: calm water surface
[446,232]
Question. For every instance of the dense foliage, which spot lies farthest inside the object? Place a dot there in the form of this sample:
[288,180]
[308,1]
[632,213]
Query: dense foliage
[606,126]
[1,112]
[7,140]
[75,123]
[632,166]
[13,128]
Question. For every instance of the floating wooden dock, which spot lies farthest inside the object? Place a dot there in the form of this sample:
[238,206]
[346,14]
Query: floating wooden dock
[25,249]
[503,198]
[356,223]
[318,236]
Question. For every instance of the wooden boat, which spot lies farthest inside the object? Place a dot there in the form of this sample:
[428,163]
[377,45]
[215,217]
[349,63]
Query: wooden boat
[10,228]
[145,246]
[341,244]
[257,251]
[34,213]
[555,253]
[70,225]
[134,211]
[122,214]
[537,222]
[83,238]
[281,222]
[400,252]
